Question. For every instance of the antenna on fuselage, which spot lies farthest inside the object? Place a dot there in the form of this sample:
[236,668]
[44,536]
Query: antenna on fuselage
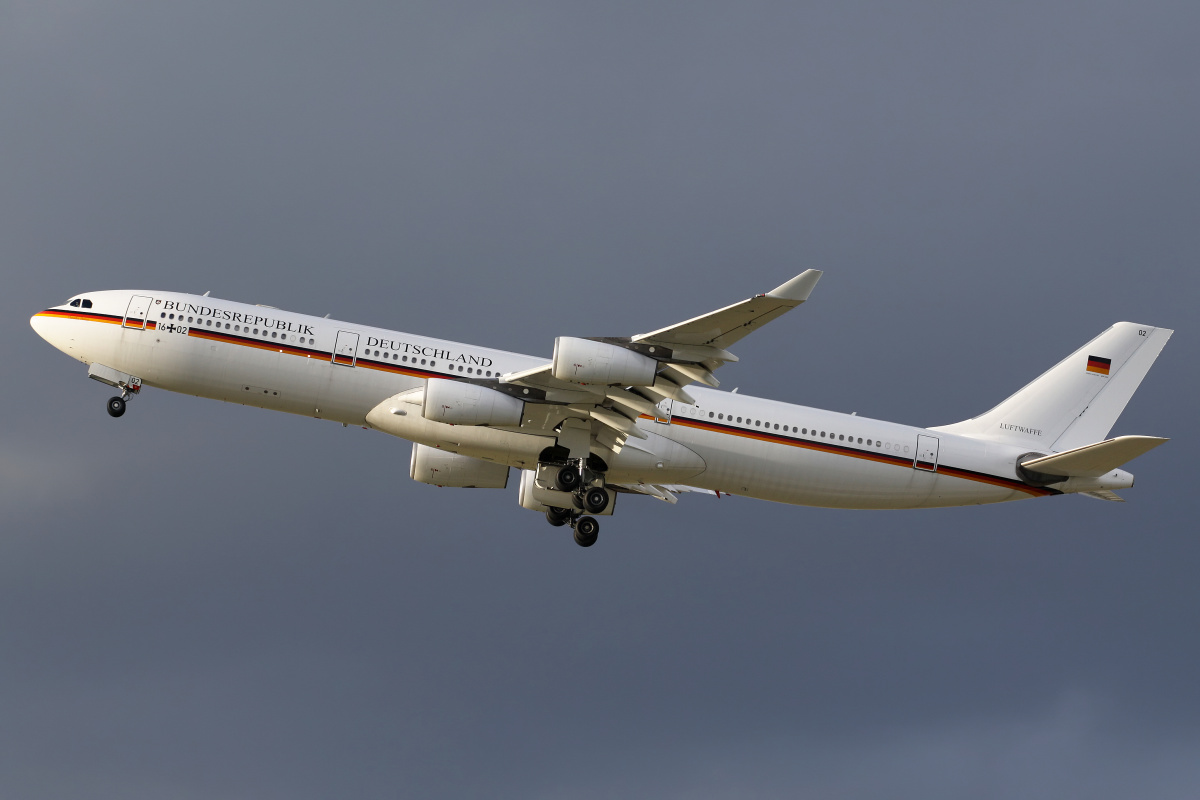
[205,294]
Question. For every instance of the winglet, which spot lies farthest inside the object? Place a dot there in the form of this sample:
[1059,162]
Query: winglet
[798,288]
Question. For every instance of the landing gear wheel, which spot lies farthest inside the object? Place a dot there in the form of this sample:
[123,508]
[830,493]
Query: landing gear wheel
[568,479]
[595,500]
[586,531]
[116,406]
[558,516]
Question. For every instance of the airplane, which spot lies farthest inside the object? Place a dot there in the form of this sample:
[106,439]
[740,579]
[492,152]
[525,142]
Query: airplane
[618,415]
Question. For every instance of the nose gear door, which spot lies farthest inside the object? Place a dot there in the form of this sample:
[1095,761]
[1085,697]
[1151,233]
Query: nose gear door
[135,315]
[345,350]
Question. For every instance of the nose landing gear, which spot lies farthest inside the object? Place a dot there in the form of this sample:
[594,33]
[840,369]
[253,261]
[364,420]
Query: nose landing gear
[128,384]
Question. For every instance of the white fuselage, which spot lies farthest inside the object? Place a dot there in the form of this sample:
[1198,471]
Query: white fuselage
[323,368]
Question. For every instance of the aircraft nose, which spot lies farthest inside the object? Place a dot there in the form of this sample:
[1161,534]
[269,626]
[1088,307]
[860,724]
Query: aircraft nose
[39,324]
[47,327]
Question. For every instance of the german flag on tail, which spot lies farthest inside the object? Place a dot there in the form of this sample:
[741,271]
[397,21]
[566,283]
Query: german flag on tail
[1099,365]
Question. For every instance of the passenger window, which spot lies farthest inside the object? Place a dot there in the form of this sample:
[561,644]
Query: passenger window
[739,419]
[842,437]
[860,440]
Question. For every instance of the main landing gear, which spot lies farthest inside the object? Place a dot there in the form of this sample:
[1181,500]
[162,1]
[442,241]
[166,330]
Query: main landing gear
[587,530]
[585,483]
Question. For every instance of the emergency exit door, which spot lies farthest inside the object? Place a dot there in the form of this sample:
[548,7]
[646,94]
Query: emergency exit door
[345,349]
[927,453]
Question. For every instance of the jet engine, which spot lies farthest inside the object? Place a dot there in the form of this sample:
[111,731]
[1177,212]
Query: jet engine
[443,468]
[585,361]
[458,403]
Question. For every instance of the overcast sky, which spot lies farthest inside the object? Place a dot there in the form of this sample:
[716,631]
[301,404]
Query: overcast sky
[202,600]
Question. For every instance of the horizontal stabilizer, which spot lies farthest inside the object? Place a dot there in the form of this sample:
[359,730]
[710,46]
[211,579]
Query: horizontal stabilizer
[1094,460]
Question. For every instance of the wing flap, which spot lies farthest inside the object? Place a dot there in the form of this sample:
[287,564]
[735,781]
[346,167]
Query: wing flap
[1104,494]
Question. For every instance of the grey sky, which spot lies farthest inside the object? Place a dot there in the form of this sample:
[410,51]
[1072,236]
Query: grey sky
[207,601]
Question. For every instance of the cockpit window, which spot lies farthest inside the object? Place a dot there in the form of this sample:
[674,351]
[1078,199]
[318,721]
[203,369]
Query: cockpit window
[87,303]
[75,303]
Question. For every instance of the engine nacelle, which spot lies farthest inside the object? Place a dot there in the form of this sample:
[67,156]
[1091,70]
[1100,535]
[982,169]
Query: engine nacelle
[585,361]
[443,468]
[458,403]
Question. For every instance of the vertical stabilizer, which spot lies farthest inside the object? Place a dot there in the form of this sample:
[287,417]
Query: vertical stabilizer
[1077,401]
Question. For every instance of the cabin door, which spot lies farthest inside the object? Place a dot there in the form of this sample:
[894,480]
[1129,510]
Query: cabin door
[135,316]
[345,350]
[927,453]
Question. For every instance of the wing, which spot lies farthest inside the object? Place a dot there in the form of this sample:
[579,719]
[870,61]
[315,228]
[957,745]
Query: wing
[612,381]
[707,336]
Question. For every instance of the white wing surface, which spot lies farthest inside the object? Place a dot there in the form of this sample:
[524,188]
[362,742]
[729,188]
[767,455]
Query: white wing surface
[613,381]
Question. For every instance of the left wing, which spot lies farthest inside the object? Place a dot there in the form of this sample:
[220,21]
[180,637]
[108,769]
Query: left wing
[613,381]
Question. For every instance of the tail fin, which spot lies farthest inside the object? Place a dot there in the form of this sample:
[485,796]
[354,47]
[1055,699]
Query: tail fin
[1077,401]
